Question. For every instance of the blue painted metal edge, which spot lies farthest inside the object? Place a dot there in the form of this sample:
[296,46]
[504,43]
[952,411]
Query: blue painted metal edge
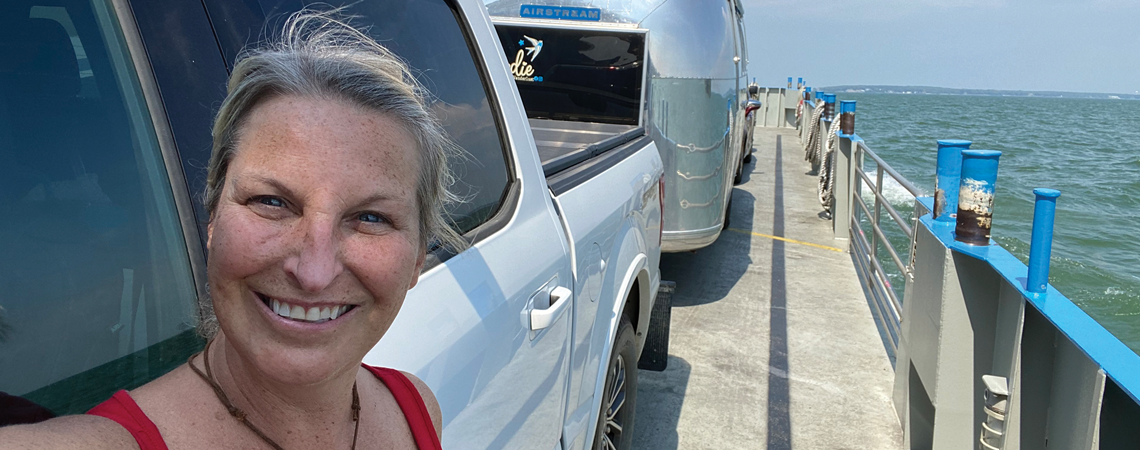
[928,202]
[1117,360]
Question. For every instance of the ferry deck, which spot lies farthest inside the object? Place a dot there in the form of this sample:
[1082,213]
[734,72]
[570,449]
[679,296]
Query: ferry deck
[772,344]
[787,331]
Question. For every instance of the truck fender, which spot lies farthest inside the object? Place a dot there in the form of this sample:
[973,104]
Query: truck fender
[637,271]
[631,255]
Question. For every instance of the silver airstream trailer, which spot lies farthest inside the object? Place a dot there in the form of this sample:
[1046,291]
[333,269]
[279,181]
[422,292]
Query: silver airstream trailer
[696,96]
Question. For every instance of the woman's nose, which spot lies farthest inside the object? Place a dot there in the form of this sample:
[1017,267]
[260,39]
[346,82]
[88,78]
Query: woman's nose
[316,262]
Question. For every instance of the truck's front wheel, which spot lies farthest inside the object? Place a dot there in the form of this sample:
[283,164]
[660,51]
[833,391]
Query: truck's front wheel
[615,420]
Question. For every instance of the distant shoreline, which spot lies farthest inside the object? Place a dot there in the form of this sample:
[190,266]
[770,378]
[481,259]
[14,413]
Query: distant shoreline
[930,90]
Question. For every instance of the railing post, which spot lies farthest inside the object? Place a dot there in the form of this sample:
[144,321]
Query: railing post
[1041,242]
[976,196]
[878,212]
[841,204]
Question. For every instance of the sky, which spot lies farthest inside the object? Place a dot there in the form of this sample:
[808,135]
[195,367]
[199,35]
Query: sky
[1044,45]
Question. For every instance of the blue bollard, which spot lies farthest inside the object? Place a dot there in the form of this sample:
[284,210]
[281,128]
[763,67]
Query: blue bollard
[829,107]
[1041,242]
[800,82]
[847,117]
[789,82]
[976,196]
[948,178]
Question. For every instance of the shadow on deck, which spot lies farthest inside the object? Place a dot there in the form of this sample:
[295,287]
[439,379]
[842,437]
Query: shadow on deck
[772,343]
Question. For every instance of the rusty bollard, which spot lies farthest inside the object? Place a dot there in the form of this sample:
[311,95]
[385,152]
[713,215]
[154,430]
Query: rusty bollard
[976,196]
[847,117]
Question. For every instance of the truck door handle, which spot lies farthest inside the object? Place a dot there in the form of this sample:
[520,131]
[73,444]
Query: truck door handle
[542,318]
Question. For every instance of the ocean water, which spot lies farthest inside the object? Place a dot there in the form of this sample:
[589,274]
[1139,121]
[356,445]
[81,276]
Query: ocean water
[1087,149]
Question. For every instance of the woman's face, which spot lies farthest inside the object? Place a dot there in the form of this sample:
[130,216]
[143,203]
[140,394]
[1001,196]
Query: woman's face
[315,240]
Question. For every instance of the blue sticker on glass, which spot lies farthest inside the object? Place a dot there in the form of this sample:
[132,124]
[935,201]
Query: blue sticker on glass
[560,12]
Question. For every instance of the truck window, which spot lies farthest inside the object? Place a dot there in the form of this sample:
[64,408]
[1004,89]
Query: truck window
[96,290]
[427,35]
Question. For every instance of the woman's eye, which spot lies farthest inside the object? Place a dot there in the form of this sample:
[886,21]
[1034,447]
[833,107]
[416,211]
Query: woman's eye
[370,217]
[271,201]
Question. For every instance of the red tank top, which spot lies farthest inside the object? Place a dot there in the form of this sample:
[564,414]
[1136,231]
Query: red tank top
[122,409]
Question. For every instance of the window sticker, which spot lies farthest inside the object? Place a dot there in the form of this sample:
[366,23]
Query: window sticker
[522,67]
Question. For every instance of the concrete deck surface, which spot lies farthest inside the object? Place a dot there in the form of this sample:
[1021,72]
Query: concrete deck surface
[773,345]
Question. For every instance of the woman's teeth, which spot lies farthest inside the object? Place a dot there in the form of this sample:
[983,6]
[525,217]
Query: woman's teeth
[314,314]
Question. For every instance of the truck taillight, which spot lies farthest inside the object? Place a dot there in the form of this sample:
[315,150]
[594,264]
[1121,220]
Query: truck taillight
[661,202]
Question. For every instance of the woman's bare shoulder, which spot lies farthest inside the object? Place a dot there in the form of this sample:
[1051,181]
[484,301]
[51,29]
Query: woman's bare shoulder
[429,401]
[179,404]
[79,432]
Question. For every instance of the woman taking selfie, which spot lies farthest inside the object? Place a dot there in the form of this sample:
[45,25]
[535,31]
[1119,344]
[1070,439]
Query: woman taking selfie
[325,187]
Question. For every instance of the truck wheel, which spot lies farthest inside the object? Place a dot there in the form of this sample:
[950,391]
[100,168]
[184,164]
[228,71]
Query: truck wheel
[619,396]
[655,354]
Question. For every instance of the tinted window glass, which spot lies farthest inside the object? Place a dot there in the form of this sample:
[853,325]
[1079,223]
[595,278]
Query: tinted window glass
[580,75]
[426,34]
[96,292]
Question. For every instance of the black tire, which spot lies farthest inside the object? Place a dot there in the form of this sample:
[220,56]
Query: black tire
[727,213]
[655,354]
[619,396]
[748,156]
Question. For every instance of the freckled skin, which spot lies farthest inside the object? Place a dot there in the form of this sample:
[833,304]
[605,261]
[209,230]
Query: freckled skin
[296,221]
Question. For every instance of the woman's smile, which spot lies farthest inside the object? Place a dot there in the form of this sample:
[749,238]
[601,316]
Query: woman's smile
[305,313]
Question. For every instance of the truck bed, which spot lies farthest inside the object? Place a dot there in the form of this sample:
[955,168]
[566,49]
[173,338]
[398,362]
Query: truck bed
[563,144]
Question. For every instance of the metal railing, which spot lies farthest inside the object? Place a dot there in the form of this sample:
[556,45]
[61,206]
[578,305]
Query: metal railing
[865,246]
[854,219]
[992,356]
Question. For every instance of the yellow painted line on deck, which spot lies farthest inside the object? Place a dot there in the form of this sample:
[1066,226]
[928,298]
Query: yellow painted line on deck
[781,238]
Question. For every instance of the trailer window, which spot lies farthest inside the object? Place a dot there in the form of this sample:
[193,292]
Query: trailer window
[427,36]
[96,292]
[583,75]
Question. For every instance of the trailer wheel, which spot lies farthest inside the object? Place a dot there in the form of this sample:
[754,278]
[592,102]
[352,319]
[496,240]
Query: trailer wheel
[727,213]
[739,177]
[747,147]
[619,396]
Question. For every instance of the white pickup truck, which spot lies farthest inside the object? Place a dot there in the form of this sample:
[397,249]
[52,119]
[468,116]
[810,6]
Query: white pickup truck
[530,338]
